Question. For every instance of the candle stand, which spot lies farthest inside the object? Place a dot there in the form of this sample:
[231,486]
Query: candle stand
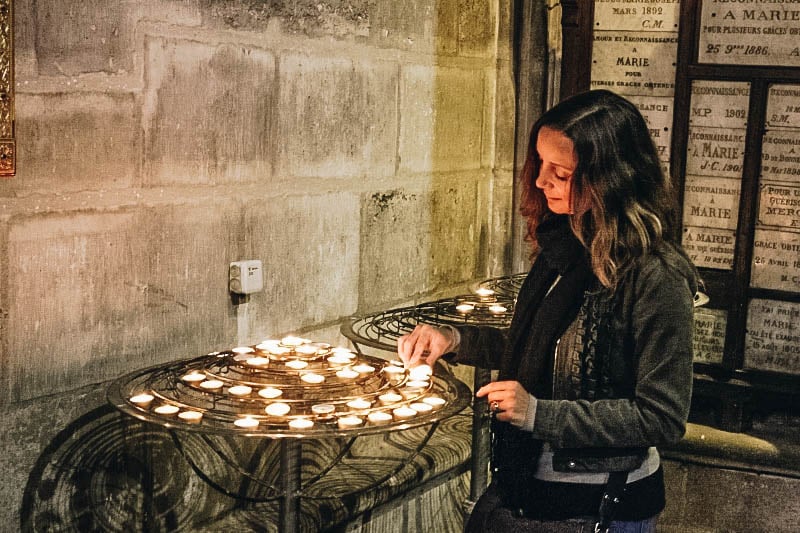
[491,304]
[287,390]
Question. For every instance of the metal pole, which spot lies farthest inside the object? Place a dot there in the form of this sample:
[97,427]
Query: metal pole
[481,440]
[290,486]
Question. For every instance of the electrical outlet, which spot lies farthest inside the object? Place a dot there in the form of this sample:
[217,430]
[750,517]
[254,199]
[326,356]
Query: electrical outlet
[246,277]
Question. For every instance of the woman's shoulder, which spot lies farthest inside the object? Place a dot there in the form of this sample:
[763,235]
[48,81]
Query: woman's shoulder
[667,263]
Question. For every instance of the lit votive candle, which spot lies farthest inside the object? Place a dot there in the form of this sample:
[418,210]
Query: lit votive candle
[394,373]
[267,344]
[403,413]
[190,417]
[240,390]
[211,385]
[313,378]
[293,341]
[242,349]
[420,372]
[306,350]
[389,398]
[497,308]
[339,360]
[296,364]
[257,361]
[193,377]
[484,293]
[465,308]
[166,409]
[323,409]
[364,368]
[277,409]
[350,422]
[421,407]
[280,351]
[344,352]
[142,400]
[434,401]
[301,423]
[247,422]
[359,404]
[417,384]
[270,393]
[346,373]
[379,418]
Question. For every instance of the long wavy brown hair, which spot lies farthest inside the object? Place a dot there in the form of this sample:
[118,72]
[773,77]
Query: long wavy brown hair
[623,201]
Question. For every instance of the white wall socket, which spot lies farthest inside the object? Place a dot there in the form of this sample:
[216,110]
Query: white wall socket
[246,277]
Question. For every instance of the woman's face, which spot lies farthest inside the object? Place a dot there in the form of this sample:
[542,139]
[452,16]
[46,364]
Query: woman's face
[557,163]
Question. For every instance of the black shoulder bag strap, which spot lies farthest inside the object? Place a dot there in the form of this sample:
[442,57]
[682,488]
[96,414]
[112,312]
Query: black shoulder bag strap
[611,498]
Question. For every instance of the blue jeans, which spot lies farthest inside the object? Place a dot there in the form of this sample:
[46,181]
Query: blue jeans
[643,526]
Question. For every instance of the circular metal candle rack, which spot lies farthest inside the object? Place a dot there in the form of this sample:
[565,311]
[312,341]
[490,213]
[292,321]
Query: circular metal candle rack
[308,390]
[492,304]
[289,389]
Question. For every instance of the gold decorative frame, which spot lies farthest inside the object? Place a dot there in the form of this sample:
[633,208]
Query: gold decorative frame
[8,152]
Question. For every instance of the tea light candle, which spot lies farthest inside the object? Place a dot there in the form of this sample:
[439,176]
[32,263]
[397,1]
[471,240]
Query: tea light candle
[389,398]
[257,361]
[465,308]
[296,364]
[211,385]
[417,384]
[359,404]
[267,344]
[270,393]
[434,401]
[166,409]
[379,418]
[306,350]
[497,308]
[277,409]
[243,349]
[394,373]
[344,352]
[421,407]
[190,417]
[323,409]
[364,368]
[293,341]
[350,422]
[193,377]
[247,422]
[339,360]
[142,400]
[301,423]
[420,372]
[403,413]
[346,373]
[313,378]
[240,390]
[484,293]
[279,350]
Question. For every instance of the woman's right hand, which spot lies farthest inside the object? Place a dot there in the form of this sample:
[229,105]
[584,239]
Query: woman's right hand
[424,345]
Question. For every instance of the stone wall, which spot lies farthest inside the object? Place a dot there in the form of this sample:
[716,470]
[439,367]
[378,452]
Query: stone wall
[352,146]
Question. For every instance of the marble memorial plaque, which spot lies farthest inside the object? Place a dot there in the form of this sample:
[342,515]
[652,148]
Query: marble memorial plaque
[772,341]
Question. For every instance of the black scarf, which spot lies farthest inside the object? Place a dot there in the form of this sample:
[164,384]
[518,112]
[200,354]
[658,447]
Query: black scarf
[541,317]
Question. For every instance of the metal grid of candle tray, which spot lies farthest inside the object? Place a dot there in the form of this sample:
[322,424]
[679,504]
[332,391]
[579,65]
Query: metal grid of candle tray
[491,304]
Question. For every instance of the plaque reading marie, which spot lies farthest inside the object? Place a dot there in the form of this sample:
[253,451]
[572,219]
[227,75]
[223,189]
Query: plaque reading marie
[750,32]
[709,335]
[772,341]
[714,159]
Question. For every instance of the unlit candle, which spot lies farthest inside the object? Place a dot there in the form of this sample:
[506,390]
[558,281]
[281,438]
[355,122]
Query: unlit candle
[240,390]
[166,409]
[277,409]
[247,422]
[270,392]
[296,364]
[191,417]
[142,400]
[301,423]
[312,378]
[350,422]
[403,413]
[346,373]
[379,418]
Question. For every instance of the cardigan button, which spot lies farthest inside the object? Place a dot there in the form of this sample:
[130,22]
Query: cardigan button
[519,512]
[571,464]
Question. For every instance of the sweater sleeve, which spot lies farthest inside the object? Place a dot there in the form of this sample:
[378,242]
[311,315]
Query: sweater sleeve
[480,346]
[661,327]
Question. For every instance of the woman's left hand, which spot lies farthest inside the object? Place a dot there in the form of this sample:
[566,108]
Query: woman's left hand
[508,399]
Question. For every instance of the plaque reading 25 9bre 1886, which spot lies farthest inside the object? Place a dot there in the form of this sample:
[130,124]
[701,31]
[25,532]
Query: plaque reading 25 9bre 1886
[750,32]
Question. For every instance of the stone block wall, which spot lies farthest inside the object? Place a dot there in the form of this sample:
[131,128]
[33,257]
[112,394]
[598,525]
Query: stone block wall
[361,149]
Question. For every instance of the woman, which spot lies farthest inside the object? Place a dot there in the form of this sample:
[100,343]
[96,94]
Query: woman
[595,370]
